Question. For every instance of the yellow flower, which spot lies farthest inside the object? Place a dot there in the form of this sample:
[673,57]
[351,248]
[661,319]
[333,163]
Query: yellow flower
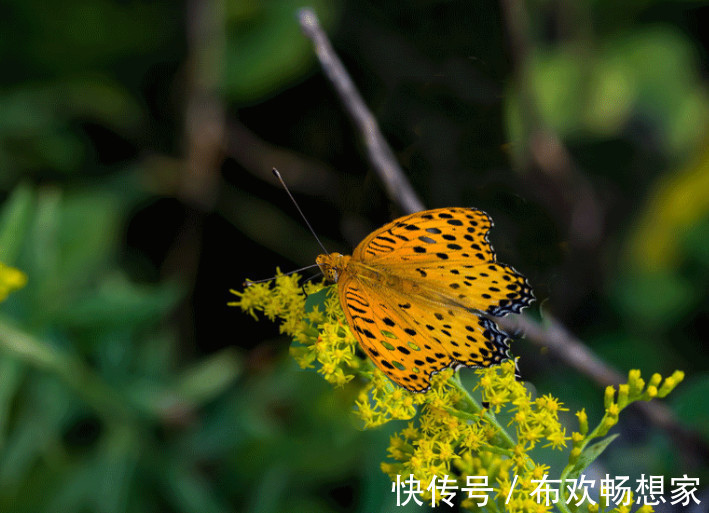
[583,421]
[11,279]
[614,409]
[557,439]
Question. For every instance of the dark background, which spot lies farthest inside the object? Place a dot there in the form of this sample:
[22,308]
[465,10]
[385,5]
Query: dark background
[136,143]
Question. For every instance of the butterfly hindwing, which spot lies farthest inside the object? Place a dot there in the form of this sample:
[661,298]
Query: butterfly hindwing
[409,341]
[494,288]
[374,326]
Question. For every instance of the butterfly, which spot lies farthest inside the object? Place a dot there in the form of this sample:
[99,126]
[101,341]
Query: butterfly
[419,294]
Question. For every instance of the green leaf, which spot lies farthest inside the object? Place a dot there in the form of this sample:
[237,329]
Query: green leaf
[691,402]
[265,48]
[210,377]
[87,232]
[12,371]
[14,221]
[119,303]
[189,491]
[317,299]
[637,296]
[589,454]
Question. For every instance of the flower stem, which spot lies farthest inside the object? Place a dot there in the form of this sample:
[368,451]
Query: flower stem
[488,415]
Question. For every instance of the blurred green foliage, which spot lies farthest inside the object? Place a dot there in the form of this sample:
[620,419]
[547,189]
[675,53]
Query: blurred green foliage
[259,29]
[126,384]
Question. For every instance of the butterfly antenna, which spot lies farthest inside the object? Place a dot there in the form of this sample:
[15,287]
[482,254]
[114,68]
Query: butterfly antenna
[280,179]
[248,283]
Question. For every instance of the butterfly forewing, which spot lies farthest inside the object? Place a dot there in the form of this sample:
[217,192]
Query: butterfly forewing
[430,236]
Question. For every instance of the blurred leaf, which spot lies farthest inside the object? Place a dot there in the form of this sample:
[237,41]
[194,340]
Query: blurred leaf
[691,402]
[43,409]
[190,492]
[202,383]
[557,76]
[268,493]
[209,377]
[677,202]
[40,128]
[637,351]
[649,74]
[87,234]
[88,34]
[11,373]
[116,462]
[654,299]
[660,66]
[696,243]
[118,302]
[14,222]
[265,47]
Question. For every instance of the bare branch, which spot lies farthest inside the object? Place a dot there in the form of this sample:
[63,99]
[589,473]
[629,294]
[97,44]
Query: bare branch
[562,344]
[382,158]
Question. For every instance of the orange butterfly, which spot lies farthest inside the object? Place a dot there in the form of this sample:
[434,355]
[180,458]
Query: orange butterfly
[418,294]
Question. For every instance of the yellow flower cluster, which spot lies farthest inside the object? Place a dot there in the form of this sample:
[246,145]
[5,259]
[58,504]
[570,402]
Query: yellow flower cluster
[634,390]
[380,401]
[323,340]
[321,336]
[455,436]
[11,279]
[456,432]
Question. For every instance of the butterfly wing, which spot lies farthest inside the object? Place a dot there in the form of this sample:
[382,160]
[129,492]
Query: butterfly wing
[409,339]
[447,251]
[429,236]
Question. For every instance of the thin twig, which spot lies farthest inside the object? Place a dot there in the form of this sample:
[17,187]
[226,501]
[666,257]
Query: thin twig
[204,111]
[556,338]
[551,334]
[380,155]
[259,157]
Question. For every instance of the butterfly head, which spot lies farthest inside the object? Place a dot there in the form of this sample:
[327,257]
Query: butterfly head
[332,265]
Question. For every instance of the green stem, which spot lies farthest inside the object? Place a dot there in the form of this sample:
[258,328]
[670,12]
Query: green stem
[563,507]
[596,433]
[489,416]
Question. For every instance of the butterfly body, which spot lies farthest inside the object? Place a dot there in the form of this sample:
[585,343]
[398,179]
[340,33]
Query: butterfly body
[419,292]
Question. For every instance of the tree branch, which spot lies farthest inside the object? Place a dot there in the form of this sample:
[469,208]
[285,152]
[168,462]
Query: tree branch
[380,155]
[204,122]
